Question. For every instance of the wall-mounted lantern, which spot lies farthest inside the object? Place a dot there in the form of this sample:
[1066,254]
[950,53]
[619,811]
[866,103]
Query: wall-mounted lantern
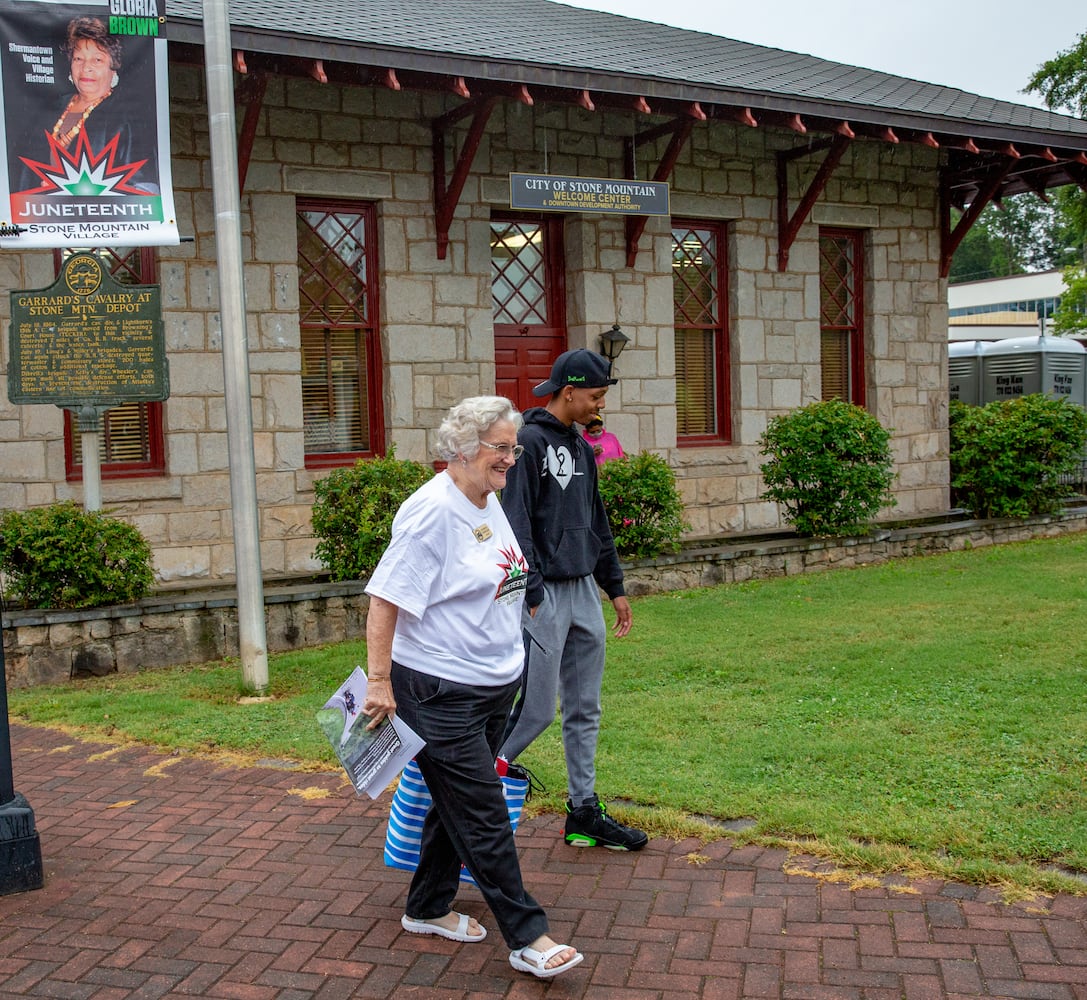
[612,342]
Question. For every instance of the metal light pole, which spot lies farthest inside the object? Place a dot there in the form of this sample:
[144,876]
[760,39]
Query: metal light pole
[252,636]
[20,848]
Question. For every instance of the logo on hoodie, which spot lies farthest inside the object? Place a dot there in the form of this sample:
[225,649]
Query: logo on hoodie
[560,463]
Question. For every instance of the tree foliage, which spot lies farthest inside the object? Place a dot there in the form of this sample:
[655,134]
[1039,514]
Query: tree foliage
[1061,82]
[1020,235]
[1070,319]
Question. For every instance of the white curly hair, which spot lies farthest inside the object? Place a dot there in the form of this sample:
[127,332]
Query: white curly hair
[460,431]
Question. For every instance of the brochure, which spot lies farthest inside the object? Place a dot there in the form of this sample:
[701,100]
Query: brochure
[371,758]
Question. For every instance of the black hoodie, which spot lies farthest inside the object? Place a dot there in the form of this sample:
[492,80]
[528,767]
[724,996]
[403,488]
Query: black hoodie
[553,503]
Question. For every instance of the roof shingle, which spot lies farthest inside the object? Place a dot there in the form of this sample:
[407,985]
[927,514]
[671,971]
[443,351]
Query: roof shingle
[511,39]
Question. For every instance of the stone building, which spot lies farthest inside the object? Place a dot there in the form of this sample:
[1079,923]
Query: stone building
[386,275]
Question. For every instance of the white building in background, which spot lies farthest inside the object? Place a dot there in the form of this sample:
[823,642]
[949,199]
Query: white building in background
[998,308]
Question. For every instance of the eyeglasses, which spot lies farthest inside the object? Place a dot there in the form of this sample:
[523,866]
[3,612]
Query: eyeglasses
[514,451]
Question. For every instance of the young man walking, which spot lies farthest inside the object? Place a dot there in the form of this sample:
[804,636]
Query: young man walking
[552,500]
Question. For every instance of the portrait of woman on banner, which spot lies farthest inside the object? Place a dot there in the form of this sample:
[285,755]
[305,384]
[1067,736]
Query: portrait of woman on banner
[108,110]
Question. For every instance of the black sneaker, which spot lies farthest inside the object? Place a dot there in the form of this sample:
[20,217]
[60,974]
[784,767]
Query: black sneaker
[591,826]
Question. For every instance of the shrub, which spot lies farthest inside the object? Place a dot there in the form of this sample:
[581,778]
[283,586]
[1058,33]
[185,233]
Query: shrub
[1008,457]
[830,467]
[64,557]
[354,508]
[644,508]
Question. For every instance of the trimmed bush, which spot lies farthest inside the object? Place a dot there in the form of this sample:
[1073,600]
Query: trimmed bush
[644,507]
[1008,457]
[354,508]
[62,556]
[829,467]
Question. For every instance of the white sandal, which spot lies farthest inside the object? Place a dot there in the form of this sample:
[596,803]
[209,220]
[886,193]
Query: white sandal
[413,926]
[535,962]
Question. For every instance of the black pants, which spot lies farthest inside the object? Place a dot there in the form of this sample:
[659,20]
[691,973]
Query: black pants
[462,725]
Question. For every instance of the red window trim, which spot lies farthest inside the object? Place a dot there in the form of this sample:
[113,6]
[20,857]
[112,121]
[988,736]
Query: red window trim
[371,339]
[857,360]
[153,467]
[723,394]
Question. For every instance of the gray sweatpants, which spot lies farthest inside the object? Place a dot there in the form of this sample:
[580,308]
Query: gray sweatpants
[564,659]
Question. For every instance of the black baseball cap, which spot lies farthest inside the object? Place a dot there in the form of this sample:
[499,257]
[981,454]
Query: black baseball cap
[581,368]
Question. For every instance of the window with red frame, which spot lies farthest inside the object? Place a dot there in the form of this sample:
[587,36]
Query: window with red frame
[701,324]
[841,314]
[338,314]
[131,442]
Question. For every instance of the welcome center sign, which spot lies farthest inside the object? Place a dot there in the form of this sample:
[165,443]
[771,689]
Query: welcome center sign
[550,193]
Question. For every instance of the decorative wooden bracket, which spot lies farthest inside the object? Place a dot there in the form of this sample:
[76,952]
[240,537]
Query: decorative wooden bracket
[950,240]
[680,130]
[251,92]
[446,196]
[788,227]
[1078,173]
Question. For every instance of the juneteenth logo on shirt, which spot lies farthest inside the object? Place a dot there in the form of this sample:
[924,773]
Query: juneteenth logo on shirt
[516,578]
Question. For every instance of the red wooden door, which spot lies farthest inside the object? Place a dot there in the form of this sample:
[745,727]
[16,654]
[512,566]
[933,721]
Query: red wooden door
[528,298]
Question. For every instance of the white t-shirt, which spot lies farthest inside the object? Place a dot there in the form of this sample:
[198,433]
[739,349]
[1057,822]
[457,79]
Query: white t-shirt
[458,577]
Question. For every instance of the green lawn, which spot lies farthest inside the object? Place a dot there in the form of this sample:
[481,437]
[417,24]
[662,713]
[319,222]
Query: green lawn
[926,715]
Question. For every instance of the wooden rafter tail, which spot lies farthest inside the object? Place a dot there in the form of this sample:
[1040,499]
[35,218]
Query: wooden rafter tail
[843,129]
[967,144]
[1007,149]
[585,100]
[521,93]
[694,110]
[634,103]
[796,123]
[1049,155]
[928,139]
[745,117]
[1080,158]
[389,80]
[460,88]
[887,134]
[239,62]
[317,71]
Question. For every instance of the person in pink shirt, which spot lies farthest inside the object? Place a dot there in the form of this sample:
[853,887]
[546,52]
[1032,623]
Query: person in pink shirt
[605,445]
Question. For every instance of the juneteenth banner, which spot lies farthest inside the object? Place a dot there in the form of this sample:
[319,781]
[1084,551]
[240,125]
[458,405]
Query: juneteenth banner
[85,125]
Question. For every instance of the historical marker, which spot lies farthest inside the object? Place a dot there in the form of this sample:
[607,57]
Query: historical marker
[87,340]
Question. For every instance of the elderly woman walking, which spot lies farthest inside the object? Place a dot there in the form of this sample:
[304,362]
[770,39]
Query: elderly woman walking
[444,651]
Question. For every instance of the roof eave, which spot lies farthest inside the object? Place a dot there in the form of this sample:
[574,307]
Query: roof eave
[623,84]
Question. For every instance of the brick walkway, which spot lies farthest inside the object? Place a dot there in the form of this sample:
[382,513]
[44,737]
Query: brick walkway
[172,876]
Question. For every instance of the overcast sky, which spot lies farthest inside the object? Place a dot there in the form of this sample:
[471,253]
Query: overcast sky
[989,48]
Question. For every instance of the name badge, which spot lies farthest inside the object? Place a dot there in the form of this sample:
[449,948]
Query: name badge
[482,533]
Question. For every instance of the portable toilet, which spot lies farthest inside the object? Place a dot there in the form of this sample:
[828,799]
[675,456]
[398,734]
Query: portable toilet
[964,370]
[1020,366]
